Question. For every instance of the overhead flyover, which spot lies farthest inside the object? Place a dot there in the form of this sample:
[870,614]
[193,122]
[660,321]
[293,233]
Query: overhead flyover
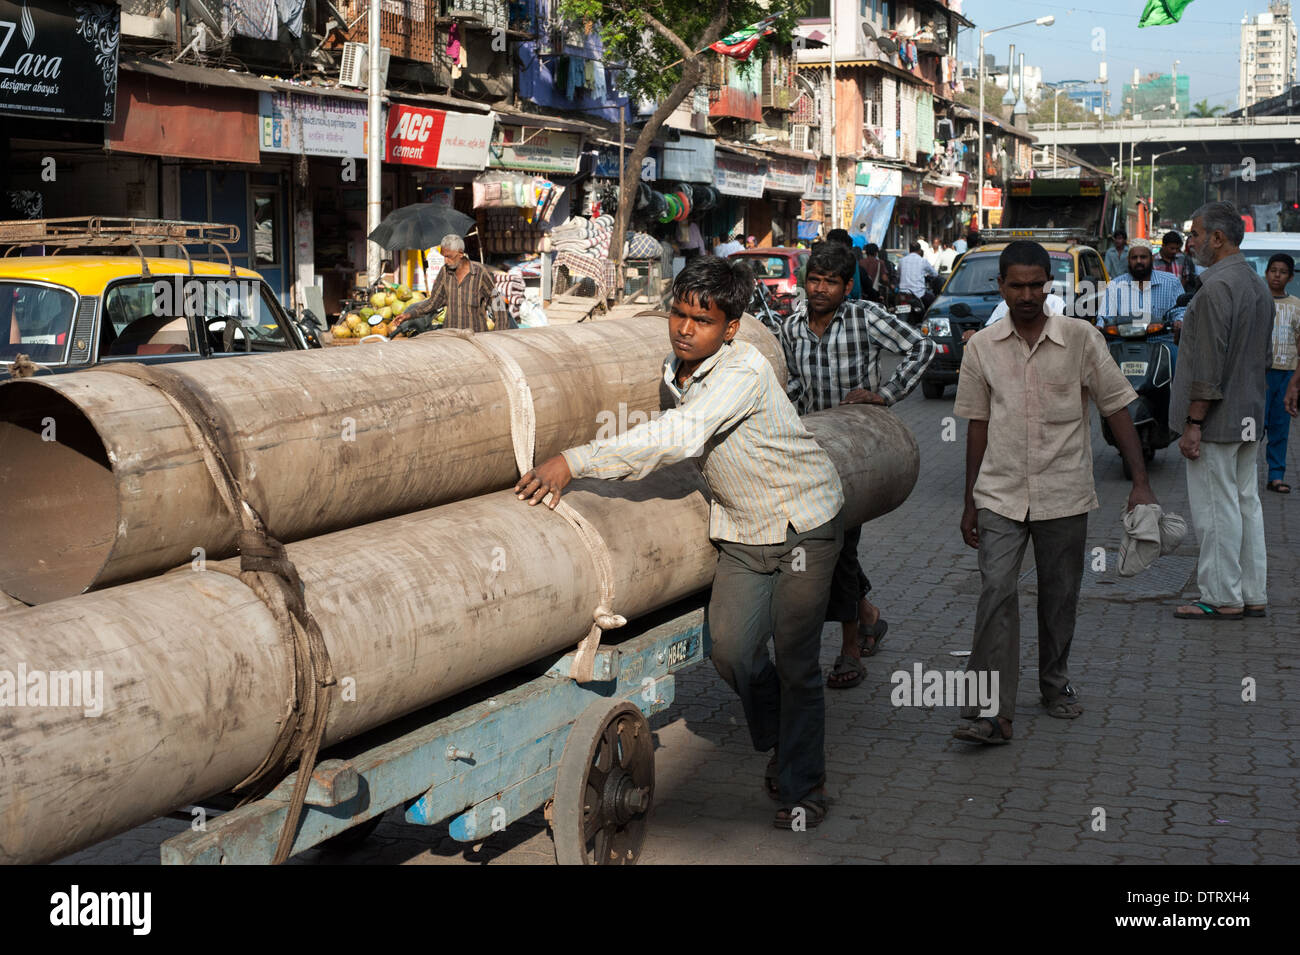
[1220,139]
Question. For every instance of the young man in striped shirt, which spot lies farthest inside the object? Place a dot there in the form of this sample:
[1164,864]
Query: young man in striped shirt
[775,520]
[832,350]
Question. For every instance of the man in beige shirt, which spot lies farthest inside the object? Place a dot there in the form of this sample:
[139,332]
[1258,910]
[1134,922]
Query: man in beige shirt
[1025,385]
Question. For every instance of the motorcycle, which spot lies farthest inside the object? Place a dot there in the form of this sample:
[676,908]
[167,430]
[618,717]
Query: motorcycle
[762,308]
[1141,348]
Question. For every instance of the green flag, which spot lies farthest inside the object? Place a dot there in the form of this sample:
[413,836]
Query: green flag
[1160,12]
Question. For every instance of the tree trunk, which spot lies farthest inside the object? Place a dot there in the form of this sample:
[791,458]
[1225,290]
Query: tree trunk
[692,74]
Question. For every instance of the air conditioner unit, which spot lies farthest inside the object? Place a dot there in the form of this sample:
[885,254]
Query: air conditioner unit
[354,68]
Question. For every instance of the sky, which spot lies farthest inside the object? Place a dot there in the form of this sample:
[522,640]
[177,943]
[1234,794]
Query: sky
[1207,41]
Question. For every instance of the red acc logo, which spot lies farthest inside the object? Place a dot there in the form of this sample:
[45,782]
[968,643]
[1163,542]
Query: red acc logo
[414,127]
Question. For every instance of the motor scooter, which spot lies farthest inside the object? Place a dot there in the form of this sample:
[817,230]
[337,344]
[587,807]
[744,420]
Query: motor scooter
[1141,347]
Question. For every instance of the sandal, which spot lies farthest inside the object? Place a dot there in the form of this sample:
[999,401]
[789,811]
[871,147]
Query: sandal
[771,781]
[1064,707]
[814,808]
[1260,611]
[1205,612]
[848,672]
[876,632]
[986,730]
[1279,487]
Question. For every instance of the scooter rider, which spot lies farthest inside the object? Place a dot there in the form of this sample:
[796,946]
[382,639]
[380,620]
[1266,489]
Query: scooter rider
[912,273]
[1143,293]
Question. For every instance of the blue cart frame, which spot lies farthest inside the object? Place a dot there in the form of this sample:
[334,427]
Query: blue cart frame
[492,756]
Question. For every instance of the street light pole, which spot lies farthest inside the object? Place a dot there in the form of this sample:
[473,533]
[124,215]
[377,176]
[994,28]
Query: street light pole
[979,191]
[835,156]
[374,144]
[1152,194]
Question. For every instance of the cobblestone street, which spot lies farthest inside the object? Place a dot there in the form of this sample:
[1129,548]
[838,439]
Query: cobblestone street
[1183,769]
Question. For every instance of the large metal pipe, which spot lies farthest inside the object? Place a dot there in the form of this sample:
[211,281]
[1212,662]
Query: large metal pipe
[114,487]
[413,609]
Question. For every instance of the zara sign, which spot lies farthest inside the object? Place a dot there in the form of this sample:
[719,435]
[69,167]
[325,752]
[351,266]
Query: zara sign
[58,60]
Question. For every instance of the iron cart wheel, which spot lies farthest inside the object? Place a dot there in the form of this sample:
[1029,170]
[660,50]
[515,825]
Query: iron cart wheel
[605,787]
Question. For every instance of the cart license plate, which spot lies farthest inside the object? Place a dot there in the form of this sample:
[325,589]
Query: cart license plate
[1133,369]
[678,653]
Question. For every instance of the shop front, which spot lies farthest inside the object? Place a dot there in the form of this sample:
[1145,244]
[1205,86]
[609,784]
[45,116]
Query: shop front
[787,181]
[321,142]
[740,180]
[878,192]
[432,155]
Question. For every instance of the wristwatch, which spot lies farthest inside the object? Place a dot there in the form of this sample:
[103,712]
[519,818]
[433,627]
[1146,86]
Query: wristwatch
[1199,422]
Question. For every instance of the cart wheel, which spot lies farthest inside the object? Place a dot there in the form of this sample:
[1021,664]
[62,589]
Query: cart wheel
[605,787]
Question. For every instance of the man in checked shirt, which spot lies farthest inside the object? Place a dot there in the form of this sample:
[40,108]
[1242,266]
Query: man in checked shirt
[832,350]
[775,521]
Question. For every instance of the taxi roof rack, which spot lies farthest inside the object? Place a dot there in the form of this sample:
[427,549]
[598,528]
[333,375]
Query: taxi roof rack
[1034,235]
[109,231]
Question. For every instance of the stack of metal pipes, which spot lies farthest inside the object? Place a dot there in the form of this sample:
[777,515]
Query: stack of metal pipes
[387,471]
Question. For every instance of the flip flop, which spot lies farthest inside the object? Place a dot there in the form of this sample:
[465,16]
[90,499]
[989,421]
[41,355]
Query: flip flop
[849,669]
[1279,487]
[986,730]
[1064,708]
[1207,613]
[876,632]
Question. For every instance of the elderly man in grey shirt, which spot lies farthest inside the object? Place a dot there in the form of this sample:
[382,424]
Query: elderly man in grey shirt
[1218,402]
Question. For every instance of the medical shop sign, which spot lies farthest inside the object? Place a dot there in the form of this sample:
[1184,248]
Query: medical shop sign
[58,60]
[436,138]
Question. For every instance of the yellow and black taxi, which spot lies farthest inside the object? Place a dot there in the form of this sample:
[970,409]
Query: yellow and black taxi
[69,310]
[970,296]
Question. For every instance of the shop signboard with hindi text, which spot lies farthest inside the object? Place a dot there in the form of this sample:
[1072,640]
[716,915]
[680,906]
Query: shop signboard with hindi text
[789,175]
[529,149]
[739,176]
[436,138]
[58,60]
[311,125]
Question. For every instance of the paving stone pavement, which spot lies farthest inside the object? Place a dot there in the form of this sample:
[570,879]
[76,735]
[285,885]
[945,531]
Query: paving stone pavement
[1182,768]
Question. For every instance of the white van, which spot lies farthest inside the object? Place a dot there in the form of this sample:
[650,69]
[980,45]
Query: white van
[1259,247]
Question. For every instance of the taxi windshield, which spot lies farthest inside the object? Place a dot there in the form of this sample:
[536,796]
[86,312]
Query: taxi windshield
[35,320]
[978,275]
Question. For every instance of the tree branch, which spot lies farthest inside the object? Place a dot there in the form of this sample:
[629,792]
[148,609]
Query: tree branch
[669,35]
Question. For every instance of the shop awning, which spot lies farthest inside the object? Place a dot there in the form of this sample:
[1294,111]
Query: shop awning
[160,117]
[207,76]
[519,117]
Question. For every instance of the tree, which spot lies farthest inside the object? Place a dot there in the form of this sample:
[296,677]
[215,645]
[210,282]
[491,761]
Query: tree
[1203,110]
[1179,191]
[1065,111]
[663,46]
[992,96]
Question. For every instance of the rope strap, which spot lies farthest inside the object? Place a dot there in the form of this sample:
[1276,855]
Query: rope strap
[523,435]
[265,568]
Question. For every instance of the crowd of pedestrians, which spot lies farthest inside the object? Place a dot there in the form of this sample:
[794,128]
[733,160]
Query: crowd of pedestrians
[786,562]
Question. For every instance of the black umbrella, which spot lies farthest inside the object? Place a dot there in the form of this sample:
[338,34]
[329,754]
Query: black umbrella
[420,226]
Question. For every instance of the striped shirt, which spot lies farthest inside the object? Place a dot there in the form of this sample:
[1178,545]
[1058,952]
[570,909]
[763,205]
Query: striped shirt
[1124,298]
[1286,332]
[763,467]
[847,355]
[468,300]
